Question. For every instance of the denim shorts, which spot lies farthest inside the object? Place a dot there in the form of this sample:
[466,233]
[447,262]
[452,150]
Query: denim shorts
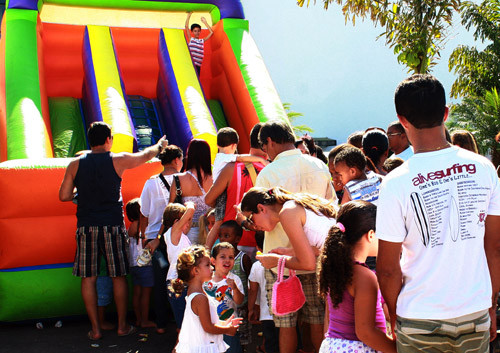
[142,276]
[104,287]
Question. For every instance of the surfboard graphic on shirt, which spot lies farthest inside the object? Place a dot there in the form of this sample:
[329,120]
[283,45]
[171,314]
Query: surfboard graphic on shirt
[454,223]
[421,220]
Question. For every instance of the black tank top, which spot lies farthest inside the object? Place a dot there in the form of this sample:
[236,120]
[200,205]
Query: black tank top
[99,191]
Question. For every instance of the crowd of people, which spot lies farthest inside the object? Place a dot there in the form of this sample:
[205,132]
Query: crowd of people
[418,205]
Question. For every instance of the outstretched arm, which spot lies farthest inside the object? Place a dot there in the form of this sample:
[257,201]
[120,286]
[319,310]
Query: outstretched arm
[200,307]
[204,21]
[248,158]
[125,160]
[188,31]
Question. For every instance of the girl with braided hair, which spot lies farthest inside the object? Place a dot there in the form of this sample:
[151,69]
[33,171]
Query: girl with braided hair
[201,331]
[354,319]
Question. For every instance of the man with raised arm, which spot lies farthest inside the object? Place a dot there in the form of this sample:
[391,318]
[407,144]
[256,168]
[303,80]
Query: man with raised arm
[100,227]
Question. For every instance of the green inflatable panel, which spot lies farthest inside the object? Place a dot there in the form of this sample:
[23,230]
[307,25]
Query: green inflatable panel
[217,114]
[56,292]
[68,133]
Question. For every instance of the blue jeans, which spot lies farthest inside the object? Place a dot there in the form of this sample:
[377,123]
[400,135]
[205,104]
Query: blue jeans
[178,304]
[233,342]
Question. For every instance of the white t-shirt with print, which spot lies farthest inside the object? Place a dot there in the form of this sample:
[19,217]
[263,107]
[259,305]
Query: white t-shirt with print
[257,275]
[436,204]
[221,295]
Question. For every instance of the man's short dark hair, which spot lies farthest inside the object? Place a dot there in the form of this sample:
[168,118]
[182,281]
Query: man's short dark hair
[421,100]
[254,136]
[97,133]
[352,156]
[195,25]
[227,136]
[279,132]
[396,125]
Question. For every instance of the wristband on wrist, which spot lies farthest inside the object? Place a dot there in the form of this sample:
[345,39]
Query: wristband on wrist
[243,225]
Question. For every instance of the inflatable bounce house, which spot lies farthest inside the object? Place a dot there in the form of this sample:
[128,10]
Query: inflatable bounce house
[67,63]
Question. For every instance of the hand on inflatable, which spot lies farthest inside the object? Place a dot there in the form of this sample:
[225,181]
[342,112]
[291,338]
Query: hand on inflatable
[152,245]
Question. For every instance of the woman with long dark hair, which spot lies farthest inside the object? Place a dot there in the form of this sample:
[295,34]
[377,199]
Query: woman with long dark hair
[195,182]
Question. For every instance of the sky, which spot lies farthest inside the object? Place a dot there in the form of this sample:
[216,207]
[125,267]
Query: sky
[338,75]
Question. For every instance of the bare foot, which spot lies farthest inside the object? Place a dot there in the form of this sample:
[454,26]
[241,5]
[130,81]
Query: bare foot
[93,336]
[106,325]
[148,324]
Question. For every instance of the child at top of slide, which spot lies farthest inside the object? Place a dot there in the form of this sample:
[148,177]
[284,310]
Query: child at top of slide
[196,44]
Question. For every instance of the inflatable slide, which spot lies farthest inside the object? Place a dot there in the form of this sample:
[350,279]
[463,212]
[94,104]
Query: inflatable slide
[67,63]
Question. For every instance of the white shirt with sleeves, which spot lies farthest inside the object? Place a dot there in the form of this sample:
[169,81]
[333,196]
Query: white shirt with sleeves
[436,204]
[154,199]
[257,275]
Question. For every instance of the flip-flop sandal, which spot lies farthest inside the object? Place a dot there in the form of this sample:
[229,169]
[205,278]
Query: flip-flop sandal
[131,330]
[91,336]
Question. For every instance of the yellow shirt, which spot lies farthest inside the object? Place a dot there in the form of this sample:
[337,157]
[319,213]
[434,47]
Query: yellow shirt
[294,172]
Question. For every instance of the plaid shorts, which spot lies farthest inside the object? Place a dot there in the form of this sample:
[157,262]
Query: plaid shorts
[109,241]
[469,333]
[313,311]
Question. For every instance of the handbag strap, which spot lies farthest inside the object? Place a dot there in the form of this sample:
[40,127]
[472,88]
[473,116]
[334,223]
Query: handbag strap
[177,185]
[281,268]
[164,181]
[251,172]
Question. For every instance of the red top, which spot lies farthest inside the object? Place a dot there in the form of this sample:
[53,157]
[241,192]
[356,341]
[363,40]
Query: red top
[241,182]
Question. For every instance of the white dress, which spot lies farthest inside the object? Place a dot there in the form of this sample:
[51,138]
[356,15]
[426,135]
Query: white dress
[192,338]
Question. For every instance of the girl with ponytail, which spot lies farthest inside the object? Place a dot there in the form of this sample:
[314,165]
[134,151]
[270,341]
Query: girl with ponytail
[353,314]
[199,331]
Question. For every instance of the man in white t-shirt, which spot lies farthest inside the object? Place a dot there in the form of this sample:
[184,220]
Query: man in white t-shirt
[398,141]
[442,209]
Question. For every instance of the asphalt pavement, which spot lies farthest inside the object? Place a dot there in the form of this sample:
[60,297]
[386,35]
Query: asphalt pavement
[71,337]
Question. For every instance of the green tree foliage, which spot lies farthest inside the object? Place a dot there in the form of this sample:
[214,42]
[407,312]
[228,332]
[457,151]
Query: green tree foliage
[299,130]
[415,29]
[478,71]
[481,116]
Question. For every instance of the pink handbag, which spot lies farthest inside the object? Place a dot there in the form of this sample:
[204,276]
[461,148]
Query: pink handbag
[288,296]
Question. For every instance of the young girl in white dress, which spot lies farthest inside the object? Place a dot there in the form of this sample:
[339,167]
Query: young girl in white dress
[201,331]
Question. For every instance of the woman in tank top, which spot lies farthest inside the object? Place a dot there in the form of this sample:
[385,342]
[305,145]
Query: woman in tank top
[305,218]
[195,182]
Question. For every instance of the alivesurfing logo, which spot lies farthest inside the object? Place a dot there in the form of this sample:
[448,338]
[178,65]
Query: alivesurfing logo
[439,174]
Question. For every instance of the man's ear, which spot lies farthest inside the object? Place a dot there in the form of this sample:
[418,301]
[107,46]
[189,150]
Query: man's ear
[403,121]
[446,111]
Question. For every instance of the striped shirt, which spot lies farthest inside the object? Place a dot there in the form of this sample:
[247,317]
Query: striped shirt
[196,47]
